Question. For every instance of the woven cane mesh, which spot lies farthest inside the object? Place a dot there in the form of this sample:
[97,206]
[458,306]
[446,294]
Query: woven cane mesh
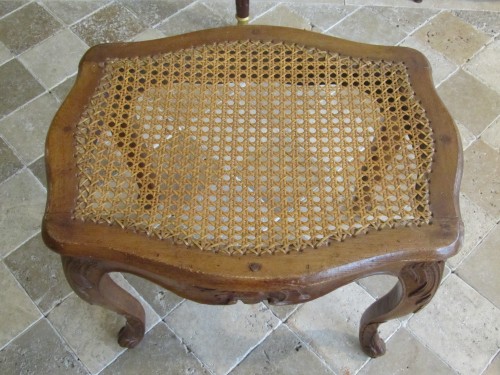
[253,147]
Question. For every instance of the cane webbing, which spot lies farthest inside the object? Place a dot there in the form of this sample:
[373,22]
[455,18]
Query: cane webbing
[253,147]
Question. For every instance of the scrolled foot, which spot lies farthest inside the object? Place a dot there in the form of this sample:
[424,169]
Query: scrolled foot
[130,335]
[371,343]
[418,282]
[90,280]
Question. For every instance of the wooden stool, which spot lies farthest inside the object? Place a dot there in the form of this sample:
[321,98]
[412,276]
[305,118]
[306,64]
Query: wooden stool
[253,163]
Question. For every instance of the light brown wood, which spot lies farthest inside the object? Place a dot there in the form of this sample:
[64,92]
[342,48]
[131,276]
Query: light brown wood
[414,254]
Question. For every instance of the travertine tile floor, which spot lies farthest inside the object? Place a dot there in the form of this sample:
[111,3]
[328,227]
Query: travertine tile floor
[47,329]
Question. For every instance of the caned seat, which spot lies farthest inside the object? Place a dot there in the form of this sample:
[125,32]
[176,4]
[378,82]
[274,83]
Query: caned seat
[253,163]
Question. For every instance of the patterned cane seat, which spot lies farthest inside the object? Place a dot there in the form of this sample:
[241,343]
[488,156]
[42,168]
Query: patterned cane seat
[252,147]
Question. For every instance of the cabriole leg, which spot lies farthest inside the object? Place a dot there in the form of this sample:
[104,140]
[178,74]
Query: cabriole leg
[90,280]
[417,284]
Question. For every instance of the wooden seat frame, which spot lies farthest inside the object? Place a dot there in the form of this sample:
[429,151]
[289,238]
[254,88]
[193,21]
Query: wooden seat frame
[415,255]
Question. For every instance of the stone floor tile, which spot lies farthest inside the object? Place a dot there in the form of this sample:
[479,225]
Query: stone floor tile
[165,355]
[148,34]
[162,300]
[40,351]
[39,271]
[281,15]
[477,224]
[114,23]
[335,2]
[220,336]
[367,26]
[396,3]
[408,19]
[281,352]
[467,137]
[487,22]
[494,367]
[91,331]
[27,27]
[469,101]
[480,270]
[18,86]
[491,135]
[9,163]
[441,66]
[17,310]
[282,311]
[26,128]
[480,180]
[466,4]
[227,11]
[71,11]
[62,90]
[330,326]
[155,11]
[406,355]
[378,285]
[441,4]
[193,18]
[56,58]
[321,16]
[38,169]
[485,65]
[460,326]
[8,6]
[22,202]
[453,37]
[4,53]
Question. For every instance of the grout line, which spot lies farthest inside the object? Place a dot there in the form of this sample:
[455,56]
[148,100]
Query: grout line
[40,316]
[24,105]
[490,362]
[14,174]
[91,13]
[307,344]
[154,26]
[427,21]
[21,333]
[479,242]
[446,78]
[35,177]
[15,10]
[48,10]
[486,128]
[21,244]
[188,349]
[174,308]
[432,350]
[239,360]
[477,291]
[266,11]
[59,302]
[327,30]
[68,347]
[16,154]
[416,337]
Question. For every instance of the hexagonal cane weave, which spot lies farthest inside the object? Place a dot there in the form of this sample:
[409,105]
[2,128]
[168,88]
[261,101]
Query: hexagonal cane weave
[253,147]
